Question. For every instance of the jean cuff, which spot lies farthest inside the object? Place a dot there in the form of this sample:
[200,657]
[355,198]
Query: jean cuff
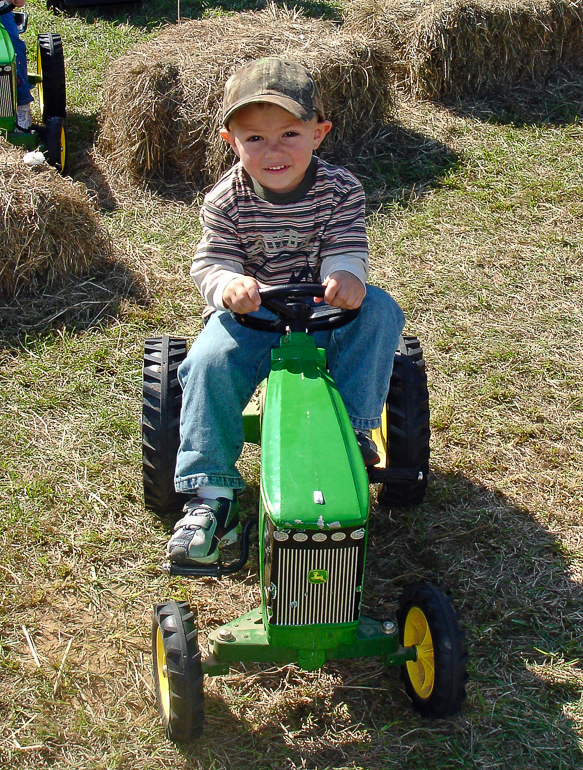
[197,480]
[360,424]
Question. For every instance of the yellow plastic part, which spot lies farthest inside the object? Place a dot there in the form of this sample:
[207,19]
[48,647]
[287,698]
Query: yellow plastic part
[63,147]
[417,634]
[162,672]
[39,69]
[380,438]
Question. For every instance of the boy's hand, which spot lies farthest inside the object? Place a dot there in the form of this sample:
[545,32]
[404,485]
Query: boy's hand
[242,294]
[343,289]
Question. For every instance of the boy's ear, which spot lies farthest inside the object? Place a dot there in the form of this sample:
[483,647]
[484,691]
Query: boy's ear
[320,132]
[228,137]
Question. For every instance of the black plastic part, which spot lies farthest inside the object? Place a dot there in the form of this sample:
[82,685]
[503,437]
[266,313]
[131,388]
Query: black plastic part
[219,569]
[378,475]
[296,316]
[161,404]
[450,656]
[52,69]
[54,135]
[407,426]
[185,719]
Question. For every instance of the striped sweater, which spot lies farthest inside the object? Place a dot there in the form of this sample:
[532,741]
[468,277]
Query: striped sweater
[277,238]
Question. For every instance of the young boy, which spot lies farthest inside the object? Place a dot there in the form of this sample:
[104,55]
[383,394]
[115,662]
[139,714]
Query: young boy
[23,94]
[281,215]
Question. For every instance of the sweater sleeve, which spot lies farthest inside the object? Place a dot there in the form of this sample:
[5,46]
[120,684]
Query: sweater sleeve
[219,256]
[345,245]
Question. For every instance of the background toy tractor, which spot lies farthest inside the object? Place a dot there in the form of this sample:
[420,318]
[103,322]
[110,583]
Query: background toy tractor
[50,137]
[313,523]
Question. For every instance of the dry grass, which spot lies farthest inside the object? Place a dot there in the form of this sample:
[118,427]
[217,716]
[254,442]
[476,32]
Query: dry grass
[484,253]
[38,207]
[449,48]
[161,103]
[502,523]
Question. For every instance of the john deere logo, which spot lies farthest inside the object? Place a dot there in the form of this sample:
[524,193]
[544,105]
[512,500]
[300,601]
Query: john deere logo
[317,576]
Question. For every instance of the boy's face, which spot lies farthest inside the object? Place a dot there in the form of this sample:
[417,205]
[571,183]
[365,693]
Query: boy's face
[274,147]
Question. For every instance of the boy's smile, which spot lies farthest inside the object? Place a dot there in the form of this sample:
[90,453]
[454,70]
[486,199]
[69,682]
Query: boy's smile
[274,147]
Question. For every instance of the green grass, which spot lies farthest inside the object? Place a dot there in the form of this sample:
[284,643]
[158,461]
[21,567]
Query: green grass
[477,234]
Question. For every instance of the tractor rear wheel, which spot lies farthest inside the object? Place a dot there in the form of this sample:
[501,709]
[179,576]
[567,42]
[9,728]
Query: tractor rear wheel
[178,674]
[161,404]
[435,681]
[52,92]
[403,438]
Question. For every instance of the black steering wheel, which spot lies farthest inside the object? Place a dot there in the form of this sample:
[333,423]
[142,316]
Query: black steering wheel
[293,314]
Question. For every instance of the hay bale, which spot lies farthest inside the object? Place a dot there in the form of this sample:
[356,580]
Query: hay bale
[451,48]
[49,227]
[161,104]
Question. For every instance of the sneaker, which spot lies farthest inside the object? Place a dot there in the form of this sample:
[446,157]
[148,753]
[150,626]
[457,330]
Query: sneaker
[206,523]
[23,117]
[367,446]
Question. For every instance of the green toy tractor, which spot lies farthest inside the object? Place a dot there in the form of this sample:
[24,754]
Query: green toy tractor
[313,523]
[50,137]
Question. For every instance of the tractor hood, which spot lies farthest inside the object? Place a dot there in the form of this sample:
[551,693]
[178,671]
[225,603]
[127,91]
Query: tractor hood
[312,473]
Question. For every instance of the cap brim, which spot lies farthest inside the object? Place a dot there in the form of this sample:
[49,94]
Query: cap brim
[290,105]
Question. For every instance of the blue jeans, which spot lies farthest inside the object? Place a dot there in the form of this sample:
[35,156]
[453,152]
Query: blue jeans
[23,95]
[228,361]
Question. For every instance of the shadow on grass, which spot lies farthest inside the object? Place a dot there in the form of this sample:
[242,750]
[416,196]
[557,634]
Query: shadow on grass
[77,303]
[521,610]
[557,102]
[396,164]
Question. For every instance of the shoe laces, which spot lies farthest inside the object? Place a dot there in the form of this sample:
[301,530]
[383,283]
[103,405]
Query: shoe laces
[195,510]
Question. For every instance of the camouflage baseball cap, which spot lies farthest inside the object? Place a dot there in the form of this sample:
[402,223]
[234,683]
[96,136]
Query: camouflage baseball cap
[277,81]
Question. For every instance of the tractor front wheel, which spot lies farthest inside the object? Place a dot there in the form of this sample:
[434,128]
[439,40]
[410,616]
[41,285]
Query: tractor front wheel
[178,674]
[435,681]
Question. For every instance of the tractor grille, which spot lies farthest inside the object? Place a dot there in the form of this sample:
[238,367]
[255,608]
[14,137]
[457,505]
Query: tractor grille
[312,578]
[6,98]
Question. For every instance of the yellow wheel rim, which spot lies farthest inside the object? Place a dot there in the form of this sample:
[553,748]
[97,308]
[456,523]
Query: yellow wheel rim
[379,436]
[417,634]
[63,148]
[39,69]
[162,672]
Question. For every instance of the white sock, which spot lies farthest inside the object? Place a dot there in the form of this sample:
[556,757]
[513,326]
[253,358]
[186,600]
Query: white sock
[212,493]
[23,116]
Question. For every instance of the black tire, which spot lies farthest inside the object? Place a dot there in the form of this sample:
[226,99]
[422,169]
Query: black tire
[405,432]
[56,144]
[52,90]
[435,682]
[178,672]
[56,5]
[161,404]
